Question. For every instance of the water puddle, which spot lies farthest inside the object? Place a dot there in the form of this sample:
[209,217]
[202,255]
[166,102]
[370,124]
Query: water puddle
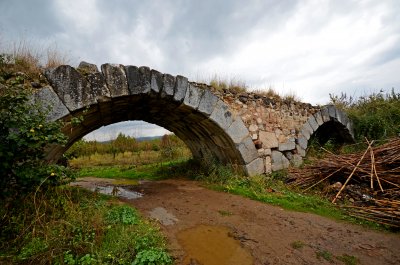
[123,182]
[117,191]
[212,245]
[109,186]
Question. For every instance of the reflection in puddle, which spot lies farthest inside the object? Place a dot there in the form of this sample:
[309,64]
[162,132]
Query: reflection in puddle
[117,191]
[211,245]
[125,182]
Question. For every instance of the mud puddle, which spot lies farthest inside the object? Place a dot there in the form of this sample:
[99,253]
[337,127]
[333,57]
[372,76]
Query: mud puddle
[117,191]
[206,244]
[111,187]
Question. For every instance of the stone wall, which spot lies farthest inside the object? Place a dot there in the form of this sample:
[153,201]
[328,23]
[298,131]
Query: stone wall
[280,128]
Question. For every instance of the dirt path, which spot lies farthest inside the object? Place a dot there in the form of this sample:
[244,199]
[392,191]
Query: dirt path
[270,234]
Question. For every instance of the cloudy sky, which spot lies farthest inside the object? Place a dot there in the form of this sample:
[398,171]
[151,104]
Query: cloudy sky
[306,48]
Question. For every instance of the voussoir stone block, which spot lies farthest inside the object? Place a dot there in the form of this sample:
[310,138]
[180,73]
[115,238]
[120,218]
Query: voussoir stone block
[256,167]
[325,114]
[116,81]
[300,151]
[193,96]
[318,118]
[237,131]
[307,131]
[156,83]
[247,150]
[207,102]
[139,79]
[302,142]
[168,86]
[51,103]
[222,115]
[313,123]
[71,87]
[181,89]
[332,111]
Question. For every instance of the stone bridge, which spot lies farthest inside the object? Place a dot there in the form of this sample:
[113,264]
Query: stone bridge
[259,133]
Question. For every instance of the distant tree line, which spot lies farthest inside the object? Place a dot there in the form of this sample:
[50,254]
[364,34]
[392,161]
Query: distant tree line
[167,145]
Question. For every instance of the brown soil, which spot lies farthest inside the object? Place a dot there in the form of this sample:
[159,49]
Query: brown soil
[270,234]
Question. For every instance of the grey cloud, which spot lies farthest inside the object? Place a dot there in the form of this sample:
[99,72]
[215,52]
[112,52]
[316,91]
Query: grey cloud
[29,18]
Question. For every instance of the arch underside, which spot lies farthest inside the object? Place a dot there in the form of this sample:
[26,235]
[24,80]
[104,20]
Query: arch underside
[332,130]
[202,136]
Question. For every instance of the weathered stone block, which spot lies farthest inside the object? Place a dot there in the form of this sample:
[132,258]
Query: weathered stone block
[268,139]
[313,123]
[318,118]
[168,87]
[300,151]
[181,88]
[279,161]
[156,83]
[139,79]
[49,101]
[222,115]
[302,141]
[247,150]
[207,102]
[307,131]
[116,81]
[332,111]
[98,86]
[87,67]
[255,167]
[341,116]
[286,146]
[325,114]
[193,96]
[237,131]
[71,87]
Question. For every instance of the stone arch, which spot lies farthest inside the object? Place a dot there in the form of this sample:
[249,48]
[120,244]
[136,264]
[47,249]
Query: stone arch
[328,122]
[120,93]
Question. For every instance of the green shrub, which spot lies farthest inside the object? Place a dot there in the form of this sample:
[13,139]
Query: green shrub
[376,116]
[24,135]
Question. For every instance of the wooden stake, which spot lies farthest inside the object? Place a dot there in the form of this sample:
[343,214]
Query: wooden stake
[352,173]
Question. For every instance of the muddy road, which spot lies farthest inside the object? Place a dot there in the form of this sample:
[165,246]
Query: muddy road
[208,227]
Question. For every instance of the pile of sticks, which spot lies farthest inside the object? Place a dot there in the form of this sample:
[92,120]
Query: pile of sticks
[378,167]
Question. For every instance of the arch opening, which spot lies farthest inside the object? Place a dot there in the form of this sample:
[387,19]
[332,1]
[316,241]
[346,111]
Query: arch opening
[331,131]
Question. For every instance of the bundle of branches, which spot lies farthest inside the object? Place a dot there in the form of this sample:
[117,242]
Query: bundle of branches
[378,167]
[385,212]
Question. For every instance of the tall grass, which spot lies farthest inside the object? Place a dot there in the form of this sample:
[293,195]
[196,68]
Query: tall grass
[30,58]
[375,116]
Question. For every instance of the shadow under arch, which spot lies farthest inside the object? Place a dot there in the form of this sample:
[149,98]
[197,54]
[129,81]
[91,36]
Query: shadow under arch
[328,123]
[122,93]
